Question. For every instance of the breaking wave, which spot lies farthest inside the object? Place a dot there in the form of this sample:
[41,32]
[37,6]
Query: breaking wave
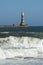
[21,47]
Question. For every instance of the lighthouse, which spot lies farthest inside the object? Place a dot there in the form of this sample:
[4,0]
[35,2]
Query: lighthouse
[22,19]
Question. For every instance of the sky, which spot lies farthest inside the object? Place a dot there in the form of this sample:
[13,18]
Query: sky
[10,12]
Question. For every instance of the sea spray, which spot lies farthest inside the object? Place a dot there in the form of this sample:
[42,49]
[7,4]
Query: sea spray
[13,47]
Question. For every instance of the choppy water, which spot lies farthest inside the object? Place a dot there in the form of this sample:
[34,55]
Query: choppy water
[23,29]
[21,51]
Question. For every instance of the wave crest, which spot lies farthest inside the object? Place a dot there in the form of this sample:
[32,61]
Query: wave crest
[11,47]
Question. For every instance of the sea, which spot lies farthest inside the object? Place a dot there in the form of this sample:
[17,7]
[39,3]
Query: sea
[21,46]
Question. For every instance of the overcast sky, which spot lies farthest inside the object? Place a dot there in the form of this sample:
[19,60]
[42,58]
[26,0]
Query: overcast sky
[10,12]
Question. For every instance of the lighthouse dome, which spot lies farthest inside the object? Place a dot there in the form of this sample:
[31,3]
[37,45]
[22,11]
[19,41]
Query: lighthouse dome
[22,13]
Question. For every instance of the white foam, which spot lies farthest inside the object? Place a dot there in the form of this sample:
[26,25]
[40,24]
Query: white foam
[11,47]
[4,32]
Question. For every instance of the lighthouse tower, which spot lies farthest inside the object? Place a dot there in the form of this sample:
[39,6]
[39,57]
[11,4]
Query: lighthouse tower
[22,19]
